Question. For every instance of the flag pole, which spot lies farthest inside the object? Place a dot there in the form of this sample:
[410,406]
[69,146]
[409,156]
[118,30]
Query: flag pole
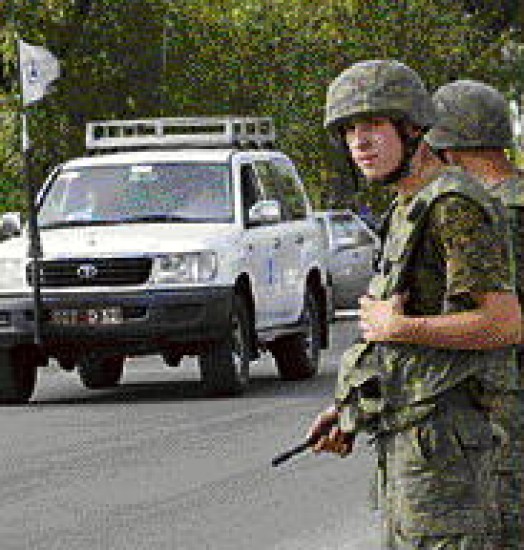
[35,246]
[37,68]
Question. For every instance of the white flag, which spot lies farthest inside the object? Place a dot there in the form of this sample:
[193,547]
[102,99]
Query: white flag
[38,68]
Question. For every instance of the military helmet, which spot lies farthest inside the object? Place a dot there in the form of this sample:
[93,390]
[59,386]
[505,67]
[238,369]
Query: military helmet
[378,88]
[470,114]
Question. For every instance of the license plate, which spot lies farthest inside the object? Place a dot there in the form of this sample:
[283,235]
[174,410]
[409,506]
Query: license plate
[88,316]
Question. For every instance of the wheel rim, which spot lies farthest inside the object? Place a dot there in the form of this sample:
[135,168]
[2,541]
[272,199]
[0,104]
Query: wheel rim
[310,336]
[239,350]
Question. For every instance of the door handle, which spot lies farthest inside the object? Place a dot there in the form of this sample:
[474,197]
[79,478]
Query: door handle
[277,243]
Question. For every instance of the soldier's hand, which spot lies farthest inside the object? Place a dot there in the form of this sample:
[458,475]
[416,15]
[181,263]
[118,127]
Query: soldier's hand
[336,442]
[380,320]
[324,420]
[330,437]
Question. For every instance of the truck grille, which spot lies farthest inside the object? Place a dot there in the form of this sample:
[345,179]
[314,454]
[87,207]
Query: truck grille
[92,272]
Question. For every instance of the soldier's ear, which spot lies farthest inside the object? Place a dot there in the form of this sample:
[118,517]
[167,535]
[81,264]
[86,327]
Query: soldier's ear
[450,156]
[428,153]
[413,131]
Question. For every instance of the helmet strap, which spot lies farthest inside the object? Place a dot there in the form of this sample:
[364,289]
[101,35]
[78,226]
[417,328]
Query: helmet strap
[341,143]
[439,153]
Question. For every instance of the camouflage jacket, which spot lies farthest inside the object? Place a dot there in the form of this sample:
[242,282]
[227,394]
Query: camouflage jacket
[443,244]
[511,193]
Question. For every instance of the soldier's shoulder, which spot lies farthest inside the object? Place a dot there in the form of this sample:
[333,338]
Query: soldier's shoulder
[455,209]
[456,193]
[453,180]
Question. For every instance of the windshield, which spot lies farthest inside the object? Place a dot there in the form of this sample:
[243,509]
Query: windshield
[152,192]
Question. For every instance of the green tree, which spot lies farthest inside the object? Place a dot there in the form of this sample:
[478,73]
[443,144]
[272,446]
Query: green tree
[146,58]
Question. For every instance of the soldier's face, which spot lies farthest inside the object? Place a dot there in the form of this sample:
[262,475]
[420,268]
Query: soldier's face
[375,146]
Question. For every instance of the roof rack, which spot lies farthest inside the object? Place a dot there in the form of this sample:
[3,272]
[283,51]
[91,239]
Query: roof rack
[181,132]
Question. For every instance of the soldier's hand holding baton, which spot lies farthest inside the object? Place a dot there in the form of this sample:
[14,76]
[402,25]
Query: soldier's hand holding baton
[324,435]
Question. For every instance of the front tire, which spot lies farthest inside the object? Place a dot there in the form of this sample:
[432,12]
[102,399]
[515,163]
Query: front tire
[101,372]
[17,377]
[298,356]
[225,367]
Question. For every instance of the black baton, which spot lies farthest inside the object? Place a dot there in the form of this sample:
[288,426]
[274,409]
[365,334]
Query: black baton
[286,455]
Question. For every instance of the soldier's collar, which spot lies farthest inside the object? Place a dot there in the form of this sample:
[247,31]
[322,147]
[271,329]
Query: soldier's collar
[513,176]
[405,198]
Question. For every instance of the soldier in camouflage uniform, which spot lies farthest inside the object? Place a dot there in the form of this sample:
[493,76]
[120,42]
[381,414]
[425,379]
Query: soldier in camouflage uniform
[474,128]
[436,324]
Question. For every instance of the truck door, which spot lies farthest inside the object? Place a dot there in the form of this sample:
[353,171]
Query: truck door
[258,245]
[291,235]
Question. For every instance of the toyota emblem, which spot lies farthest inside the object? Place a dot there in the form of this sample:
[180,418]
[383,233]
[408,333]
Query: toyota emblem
[87,271]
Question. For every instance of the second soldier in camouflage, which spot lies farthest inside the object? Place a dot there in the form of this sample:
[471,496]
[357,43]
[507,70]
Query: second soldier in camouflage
[473,131]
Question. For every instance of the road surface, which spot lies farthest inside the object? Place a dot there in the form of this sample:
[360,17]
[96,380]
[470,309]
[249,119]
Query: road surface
[156,464]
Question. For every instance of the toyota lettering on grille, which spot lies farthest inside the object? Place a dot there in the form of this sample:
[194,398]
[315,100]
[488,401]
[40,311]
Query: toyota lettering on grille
[87,272]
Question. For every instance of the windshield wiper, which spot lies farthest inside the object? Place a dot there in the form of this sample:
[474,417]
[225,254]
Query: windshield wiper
[155,218]
[74,223]
[159,218]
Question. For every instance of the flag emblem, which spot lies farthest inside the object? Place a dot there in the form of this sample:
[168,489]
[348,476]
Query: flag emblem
[38,69]
[33,72]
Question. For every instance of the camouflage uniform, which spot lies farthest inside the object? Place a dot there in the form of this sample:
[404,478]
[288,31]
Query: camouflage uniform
[471,115]
[510,410]
[434,439]
[437,470]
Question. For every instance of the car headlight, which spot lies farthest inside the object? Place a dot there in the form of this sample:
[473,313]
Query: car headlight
[186,267]
[12,273]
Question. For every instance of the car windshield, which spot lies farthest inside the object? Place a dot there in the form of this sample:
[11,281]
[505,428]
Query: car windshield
[183,192]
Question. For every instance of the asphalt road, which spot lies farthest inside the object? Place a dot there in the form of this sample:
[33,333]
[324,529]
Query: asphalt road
[155,464]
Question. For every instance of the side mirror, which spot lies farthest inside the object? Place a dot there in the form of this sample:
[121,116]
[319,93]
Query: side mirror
[264,212]
[10,225]
[346,242]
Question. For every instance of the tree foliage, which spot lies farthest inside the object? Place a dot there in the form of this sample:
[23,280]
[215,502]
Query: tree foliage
[147,58]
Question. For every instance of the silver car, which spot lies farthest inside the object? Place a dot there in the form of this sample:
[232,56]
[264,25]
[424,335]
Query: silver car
[351,243]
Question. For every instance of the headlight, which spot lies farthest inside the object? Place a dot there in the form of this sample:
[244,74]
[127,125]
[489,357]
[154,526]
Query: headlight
[12,273]
[187,267]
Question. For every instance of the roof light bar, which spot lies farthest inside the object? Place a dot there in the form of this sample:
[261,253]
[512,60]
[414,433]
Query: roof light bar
[180,132]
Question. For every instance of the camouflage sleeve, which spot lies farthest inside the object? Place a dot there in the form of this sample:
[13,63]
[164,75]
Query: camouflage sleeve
[473,250]
[519,252]
[511,193]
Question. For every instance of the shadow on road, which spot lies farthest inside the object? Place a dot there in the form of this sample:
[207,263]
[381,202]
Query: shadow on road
[189,390]
[147,380]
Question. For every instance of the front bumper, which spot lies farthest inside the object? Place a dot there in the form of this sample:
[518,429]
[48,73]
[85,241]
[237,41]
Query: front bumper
[153,319]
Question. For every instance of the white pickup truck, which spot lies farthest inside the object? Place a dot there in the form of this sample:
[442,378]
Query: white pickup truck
[177,236]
